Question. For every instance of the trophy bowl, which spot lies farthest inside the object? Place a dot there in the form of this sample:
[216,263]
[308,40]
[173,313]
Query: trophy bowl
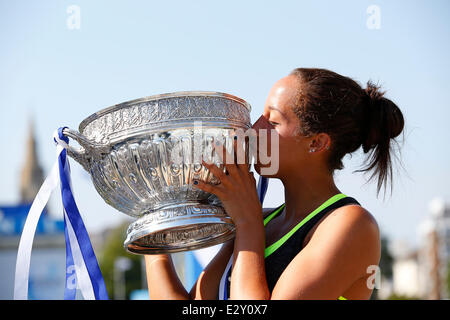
[143,156]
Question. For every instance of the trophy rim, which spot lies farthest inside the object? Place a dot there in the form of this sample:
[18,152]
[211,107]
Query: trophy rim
[131,243]
[177,94]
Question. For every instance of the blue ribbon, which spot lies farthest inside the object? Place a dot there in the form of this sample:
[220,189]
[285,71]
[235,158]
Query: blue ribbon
[69,292]
[263,184]
[79,229]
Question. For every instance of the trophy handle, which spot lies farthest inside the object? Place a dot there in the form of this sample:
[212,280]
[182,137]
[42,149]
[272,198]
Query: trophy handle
[83,154]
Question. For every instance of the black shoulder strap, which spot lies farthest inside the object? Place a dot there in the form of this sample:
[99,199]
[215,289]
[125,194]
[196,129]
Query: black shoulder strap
[311,223]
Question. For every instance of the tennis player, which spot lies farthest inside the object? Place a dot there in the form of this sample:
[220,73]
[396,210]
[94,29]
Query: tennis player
[320,243]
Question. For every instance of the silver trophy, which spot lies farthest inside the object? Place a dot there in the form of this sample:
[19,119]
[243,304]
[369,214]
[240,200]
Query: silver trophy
[143,156]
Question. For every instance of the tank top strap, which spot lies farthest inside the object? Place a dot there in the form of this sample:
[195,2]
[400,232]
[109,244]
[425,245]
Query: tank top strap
[273,214]
[273,247]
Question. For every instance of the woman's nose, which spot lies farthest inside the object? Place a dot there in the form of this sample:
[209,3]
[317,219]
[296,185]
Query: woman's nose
[262,123]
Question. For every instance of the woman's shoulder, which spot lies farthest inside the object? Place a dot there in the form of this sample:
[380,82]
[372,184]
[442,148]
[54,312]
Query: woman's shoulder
[356,215]
[350,221]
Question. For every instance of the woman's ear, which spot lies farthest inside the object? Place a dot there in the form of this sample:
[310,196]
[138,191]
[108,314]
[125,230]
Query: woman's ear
[320,142]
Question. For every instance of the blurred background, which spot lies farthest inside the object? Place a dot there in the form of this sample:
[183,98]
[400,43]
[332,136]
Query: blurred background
[61,61]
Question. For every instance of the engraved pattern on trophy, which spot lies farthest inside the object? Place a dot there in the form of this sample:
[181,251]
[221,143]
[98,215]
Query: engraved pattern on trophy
[143,156]
[158,114]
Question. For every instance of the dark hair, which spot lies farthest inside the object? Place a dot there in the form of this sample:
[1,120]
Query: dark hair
[352,116]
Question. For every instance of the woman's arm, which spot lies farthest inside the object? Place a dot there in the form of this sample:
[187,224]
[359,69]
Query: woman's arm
[248,278]
[207,285]
[249,261]
[237,192]
[163,282]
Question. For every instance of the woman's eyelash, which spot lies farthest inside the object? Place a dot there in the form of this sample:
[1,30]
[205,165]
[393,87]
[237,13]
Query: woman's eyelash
[273,123]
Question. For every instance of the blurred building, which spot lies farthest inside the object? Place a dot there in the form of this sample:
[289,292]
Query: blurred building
[434,256]
[407,275]
[424,272]
[47,269]
[32,175]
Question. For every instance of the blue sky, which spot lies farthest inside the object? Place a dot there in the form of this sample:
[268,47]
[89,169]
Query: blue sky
[130,49]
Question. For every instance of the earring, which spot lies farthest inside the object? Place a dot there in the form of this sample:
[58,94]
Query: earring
[312,150]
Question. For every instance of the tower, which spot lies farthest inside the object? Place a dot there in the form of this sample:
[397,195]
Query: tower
[32,176]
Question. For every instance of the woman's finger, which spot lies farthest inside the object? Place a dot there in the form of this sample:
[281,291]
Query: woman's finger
[226,158]
[217,172]
[214,189]
[240,152]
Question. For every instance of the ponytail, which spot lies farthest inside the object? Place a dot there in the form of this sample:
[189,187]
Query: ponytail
[383,122]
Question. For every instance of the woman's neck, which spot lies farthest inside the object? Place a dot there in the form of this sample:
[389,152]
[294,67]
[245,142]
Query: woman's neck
[303,194]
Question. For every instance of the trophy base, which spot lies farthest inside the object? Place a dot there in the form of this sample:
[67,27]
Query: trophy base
[177,228]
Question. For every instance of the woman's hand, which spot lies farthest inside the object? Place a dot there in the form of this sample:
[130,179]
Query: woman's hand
[237,188]
[237,192]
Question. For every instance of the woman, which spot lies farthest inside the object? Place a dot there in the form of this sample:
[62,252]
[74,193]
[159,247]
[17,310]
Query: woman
[319,244]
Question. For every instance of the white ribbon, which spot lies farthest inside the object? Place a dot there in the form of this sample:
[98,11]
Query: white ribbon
[223,281]
[29,229]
